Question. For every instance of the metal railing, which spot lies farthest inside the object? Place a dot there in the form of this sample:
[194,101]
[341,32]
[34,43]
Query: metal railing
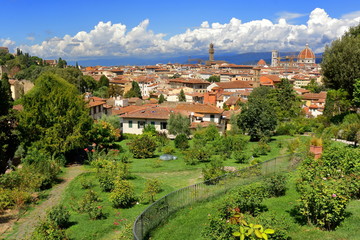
[160,210]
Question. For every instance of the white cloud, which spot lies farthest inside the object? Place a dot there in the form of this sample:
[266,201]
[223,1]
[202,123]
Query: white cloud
[289,15]
[6,43]
[352,15]
[108,39]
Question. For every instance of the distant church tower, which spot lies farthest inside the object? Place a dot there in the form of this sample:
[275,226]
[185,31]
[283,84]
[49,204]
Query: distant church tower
[211,52]
[274,58]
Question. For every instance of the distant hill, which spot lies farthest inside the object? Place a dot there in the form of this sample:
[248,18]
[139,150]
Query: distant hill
[244,58]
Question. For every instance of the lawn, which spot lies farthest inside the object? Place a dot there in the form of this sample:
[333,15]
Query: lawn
[189,222]
[173,175]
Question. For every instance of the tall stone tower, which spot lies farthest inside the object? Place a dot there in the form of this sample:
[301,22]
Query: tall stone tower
[211,52]
[274,58]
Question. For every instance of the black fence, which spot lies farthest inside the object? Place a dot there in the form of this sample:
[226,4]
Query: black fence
[160,210]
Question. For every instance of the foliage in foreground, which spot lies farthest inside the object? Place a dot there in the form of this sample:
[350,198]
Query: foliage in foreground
[327,185]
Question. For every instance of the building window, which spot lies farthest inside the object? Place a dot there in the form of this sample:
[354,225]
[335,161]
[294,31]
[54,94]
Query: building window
[163,125]
[153,123]
[99,108]
[141,124]
[94,109]
[212,118]
[130,124]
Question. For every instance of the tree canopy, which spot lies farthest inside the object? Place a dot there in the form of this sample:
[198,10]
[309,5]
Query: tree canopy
[8,138]
[340,64]
[178,124]
[181,96]
[214,78]
[134,91]
[286,102]
[55,117]
[258,116]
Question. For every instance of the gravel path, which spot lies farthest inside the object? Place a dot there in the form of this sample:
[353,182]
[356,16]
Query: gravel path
[26,225]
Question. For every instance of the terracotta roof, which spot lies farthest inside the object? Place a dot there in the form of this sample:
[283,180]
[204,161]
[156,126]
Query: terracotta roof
[227,114]
[306,53]
[18,107]
[127,109]
[95,103]
[232,100]
[199,108]
[235,84]
[155,112]
[314,96]
[261,62]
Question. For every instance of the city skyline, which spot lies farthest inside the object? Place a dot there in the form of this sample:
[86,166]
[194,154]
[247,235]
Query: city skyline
[90,30]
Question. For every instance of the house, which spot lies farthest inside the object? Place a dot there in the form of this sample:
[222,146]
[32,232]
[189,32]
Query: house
[234,86]
[314,103]
[97,107]
[134,122]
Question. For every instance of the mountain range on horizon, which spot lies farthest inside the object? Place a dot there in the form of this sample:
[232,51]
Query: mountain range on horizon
[243,59]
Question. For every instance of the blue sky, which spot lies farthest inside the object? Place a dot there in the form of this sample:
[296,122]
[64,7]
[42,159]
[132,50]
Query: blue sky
[169,27]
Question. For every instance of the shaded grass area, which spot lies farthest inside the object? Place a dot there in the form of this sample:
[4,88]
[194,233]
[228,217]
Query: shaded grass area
[189,222]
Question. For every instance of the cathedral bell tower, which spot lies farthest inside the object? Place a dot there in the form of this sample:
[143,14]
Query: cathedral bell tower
[211,52]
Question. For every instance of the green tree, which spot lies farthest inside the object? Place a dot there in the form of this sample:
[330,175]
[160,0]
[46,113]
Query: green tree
[337,102]
[179,124]
[181,96]
[340,64]
[6,86]
[314,87]
[161,99]
[104,81]
[55,117]
[356,94]
[214,78]
[134,91]
[102,92]
[286,102]
[258,116]
[61,63]
[8,137]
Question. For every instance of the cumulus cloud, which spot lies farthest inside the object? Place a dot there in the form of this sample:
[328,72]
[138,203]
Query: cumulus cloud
[108,39]
[6,43]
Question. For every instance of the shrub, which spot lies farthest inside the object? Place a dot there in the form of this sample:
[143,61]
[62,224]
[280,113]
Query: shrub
[168,150]
[48,230]
[95,212]
[327,184]
[262,148]
[152,187]
[323,202]
[123,194]
[181,142]
[276,185]
[247,198]
[91,198]
[59,215]
[195,155]
[5,199]
[109,172]
[85,183]
[212,171]
[240,156]
[143,146]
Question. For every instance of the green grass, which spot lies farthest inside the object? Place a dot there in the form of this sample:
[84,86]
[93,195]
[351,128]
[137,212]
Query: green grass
[173,175]
[189,222]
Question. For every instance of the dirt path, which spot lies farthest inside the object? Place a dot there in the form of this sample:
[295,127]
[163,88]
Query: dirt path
[26,225]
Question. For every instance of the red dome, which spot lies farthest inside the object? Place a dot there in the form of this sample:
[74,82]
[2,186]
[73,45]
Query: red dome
[261,62]
[306,53]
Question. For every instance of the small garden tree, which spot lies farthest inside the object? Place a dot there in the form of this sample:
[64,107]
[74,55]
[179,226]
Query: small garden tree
[143,146]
